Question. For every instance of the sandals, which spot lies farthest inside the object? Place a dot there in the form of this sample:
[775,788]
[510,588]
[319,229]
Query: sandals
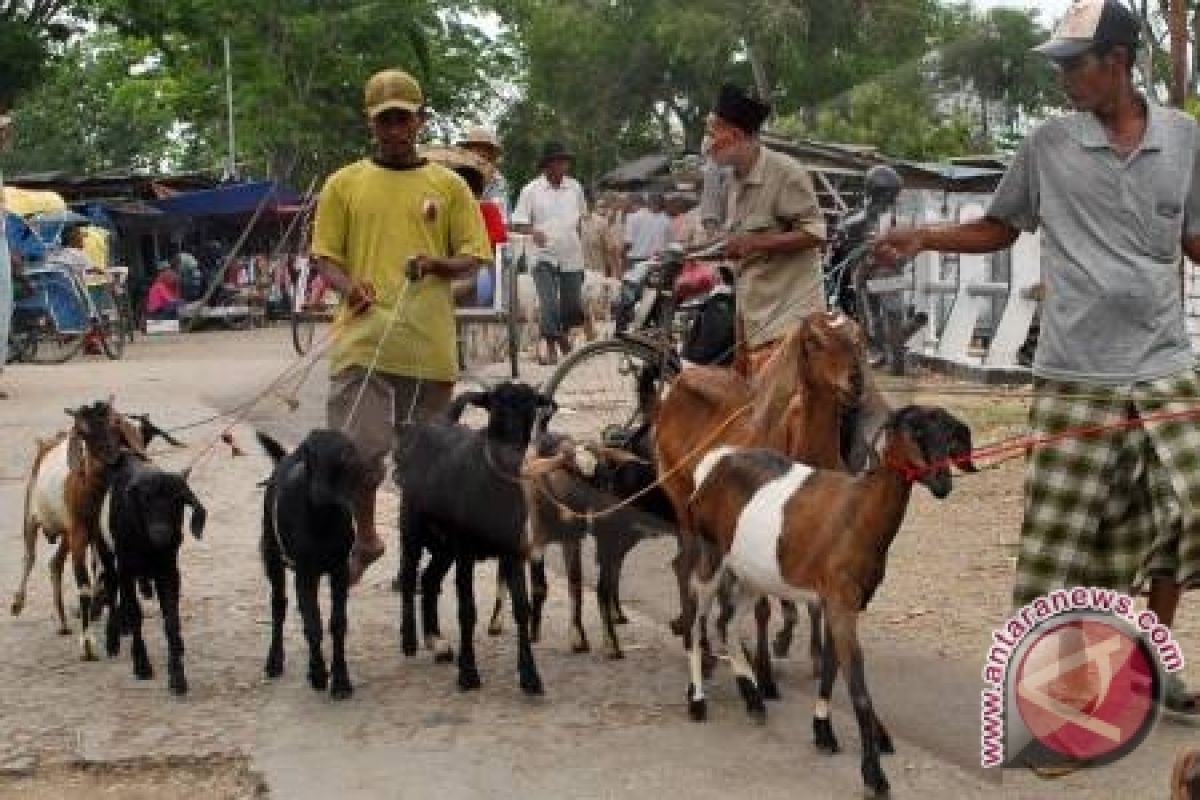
[1177,699]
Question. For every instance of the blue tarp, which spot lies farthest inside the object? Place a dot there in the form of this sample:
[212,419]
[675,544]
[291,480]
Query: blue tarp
[22,239]
[233,198]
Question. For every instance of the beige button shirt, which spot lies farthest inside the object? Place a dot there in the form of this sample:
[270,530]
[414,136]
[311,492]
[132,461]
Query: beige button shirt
[776,291]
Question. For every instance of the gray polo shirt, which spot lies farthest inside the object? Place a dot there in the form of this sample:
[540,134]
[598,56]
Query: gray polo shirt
[1111,244]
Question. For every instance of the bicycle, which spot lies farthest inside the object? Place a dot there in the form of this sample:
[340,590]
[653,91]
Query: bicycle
[605,380]
[307,305]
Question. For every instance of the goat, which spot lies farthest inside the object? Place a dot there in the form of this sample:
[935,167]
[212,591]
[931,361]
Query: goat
[47,508]
[558,503]
[463,501]
[308,525]
[141,521]
[62,500]
[786,529]
[794,405]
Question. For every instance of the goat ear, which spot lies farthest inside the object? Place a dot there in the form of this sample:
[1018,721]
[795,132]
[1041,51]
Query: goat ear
[199,513]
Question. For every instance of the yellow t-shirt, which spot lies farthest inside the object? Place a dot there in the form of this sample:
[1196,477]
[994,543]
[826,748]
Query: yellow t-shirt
[370,220]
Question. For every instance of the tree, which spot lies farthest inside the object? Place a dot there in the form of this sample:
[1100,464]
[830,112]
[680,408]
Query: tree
[29,29]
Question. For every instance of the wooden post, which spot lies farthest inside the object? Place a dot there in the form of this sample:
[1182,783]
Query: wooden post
[1177,25]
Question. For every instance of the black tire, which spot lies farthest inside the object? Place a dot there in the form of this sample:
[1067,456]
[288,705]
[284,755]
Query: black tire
[596,388]
[304,324]
[111,326]
[53,347]
[22,346]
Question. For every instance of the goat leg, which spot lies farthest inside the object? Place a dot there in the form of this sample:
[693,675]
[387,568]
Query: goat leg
[132,613]
[307,586]
[410,559]
[849,654]
[823,735]
[167,588]
[30,533]
[78,544]
[514,573]
[573,560]
[782,643]
[464,584]
[762,656]
[58,563]
[431,588]
[340,687]
[748,684]
[273,565]
[618,613]
[694,613]
[496,623]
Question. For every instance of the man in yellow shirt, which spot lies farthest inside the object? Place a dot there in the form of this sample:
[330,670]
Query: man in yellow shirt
[393,359]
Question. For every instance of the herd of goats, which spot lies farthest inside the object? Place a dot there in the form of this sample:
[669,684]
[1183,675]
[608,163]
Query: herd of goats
[748,473]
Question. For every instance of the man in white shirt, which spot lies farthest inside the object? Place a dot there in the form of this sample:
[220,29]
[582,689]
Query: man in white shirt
[550,209]
[647,233]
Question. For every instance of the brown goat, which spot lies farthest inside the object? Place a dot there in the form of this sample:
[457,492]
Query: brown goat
[794,405]
[62,501]
[784,529]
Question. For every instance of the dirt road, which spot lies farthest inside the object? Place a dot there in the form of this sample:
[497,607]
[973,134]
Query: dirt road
[604,729]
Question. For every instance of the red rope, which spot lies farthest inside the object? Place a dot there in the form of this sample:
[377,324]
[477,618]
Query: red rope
[1025,443]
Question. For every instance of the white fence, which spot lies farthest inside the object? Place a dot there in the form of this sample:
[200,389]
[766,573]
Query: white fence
[980,307]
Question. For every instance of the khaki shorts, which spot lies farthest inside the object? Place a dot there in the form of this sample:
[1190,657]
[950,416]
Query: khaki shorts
[389,405]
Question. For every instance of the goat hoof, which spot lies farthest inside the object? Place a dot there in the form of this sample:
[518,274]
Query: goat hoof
[884,740]
[620,619]
[698,710]
[178,684]
[318,679]
[614,653]
[753,699]
[876,784]
[781,646]
[112,647]
[495,629]
[64,630]
[341,689]
[769,690]
[443,656]
[143,672]
[18,605]
[408,644]
[87,650]
[579,644]
[823,736]
[532,686]
[274,667]
[677,626]
[468,679]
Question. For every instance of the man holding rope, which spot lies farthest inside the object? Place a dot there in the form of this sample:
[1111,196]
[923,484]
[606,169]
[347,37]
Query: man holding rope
[391,233]
[1115,190]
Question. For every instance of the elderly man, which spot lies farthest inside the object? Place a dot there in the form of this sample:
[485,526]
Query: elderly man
[483,143]
[1114,188]
[550,210]
[774,224]
[392,232]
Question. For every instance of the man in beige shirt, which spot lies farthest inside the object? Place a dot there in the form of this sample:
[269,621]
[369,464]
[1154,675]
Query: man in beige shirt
[774,223]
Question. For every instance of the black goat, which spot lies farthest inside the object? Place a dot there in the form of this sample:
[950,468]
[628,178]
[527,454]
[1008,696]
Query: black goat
[463,502]
[308,525]
[141,522]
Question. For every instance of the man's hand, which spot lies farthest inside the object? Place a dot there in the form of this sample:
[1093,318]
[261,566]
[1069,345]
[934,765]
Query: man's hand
[360,297]
[743,245]
[898,244]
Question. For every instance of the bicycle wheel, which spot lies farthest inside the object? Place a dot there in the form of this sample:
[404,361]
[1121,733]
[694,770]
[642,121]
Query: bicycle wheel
[596,388]
[110,325]
[304,324]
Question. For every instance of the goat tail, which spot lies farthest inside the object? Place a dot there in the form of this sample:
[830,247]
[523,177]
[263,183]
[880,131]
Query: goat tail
[274,449]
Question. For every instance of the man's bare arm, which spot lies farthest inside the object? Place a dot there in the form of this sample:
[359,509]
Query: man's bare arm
[985,235]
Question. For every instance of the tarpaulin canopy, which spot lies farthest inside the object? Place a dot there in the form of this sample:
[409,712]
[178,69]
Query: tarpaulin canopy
[28,201]
[233,198]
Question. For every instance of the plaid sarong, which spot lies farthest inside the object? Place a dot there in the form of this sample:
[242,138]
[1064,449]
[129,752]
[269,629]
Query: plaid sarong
[1114,509]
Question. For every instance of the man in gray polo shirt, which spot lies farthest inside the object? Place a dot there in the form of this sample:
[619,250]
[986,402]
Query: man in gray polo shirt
[1115,190]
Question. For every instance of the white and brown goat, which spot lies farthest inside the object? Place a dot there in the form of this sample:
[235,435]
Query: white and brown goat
[785,529]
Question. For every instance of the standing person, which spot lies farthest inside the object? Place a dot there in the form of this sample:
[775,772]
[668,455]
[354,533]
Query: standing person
[393,360]
[483,143]
[163,301]
[774,223]
[6,267]
[596,233]
[550,209]
[1115,189]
